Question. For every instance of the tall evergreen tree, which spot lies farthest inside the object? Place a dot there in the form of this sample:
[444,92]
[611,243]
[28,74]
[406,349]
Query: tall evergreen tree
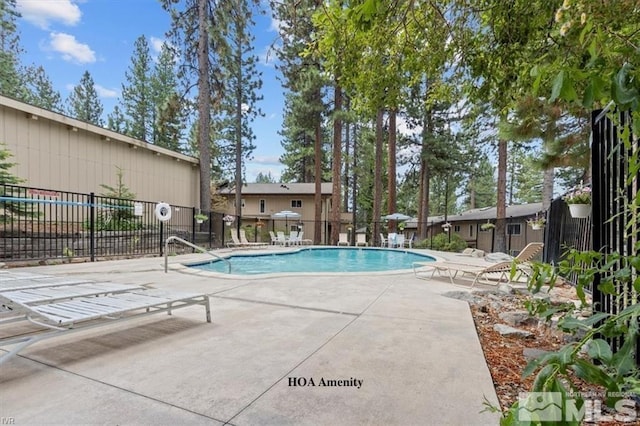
[171,109]
[137,99]
[83,102]
[242,83]
[265,178]
[41,91]
[116,120]
[196,31]
[11,82]
[304,72]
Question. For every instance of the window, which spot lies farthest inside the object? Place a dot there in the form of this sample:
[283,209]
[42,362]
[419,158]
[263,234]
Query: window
[296,204]
[471,230]
[513,229]
[262,206]
[456,228]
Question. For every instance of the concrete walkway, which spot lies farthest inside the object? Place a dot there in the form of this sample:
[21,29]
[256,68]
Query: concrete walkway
[396,351]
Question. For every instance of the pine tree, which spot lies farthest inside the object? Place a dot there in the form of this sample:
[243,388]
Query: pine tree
[196,32]
[116,120]
[83,102]
[137,99]
[242,82]
[41,91]
[11,79]
[118,215]
[170,116]
[8,209]
[265,178]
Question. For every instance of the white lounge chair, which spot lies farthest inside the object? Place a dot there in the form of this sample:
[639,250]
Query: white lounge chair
[274,239]
[77,313]
[492,274]
[247,243]
[301,240]
[293,238]
[235,242]
[343,239]
[282,239]
[391,240]
[361,240]
[383,240]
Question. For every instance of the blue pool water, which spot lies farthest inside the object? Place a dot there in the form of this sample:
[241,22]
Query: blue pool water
[318,260]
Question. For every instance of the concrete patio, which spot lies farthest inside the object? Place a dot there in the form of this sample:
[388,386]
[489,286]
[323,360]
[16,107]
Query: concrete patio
[414,352]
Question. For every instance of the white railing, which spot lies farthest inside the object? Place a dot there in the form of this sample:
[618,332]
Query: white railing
[187,243]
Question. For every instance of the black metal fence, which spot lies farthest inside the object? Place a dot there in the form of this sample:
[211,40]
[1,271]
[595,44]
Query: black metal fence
[40,224]
[564,232]
[616,182]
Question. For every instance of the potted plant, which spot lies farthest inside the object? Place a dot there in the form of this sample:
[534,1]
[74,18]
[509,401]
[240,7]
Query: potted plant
[487,226]
[200,217]
[579,201]
[537,223]
[228,220]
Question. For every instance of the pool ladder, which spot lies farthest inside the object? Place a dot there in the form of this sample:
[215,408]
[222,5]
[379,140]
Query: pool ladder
[187,243]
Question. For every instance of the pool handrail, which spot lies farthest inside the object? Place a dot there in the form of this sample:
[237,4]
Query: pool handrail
[185,242]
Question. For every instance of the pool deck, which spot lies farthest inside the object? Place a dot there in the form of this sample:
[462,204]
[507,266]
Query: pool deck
[414,352]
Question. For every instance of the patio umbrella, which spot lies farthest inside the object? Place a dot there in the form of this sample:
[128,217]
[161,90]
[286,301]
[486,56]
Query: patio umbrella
[397,217]
[286,214]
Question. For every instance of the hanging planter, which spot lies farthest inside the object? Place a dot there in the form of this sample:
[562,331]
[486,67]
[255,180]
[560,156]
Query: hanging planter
[487,226]
[200,218]
[579,201]
[228,220]
[537,223]
[580,211]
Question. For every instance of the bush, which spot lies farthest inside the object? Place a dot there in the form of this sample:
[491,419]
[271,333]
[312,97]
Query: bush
[441,242]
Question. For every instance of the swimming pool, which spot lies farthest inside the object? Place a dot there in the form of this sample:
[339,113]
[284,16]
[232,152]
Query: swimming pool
[329,259]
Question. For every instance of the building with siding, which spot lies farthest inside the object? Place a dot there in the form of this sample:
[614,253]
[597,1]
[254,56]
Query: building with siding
[56,152]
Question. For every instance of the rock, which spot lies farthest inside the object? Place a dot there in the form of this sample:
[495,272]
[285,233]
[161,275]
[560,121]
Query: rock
[541,296]
[532,353]
[462,295]
[3,265]
[517,318]
[505,288]
[506,330]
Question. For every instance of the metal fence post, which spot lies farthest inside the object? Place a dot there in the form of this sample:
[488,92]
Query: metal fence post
[92,226]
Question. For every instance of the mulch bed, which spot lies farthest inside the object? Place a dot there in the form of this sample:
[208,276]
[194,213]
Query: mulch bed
[504,355]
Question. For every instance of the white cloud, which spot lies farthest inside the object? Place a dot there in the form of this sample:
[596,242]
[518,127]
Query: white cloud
[266,160]
[42,12]
[71,49]
[103,92]
[156,44]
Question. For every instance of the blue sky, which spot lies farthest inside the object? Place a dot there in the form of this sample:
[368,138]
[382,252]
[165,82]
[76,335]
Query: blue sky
[68,37]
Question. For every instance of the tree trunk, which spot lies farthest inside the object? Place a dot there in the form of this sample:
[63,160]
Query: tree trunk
[317,224]
[337,166]
[425,177]
[238,135]
[391,185]
[501,209]
[377,184]
[204,107]
[547,188]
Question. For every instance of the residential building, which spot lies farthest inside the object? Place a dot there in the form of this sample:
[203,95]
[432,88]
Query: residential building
[56,152]
[261,201]
[469,226]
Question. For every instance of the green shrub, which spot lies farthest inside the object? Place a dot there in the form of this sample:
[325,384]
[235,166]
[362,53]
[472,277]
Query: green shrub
[441,242]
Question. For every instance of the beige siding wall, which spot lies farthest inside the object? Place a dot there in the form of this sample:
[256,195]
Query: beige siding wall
[275,203]
[56,152]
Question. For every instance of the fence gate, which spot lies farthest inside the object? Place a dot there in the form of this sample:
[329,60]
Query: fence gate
[614,230]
